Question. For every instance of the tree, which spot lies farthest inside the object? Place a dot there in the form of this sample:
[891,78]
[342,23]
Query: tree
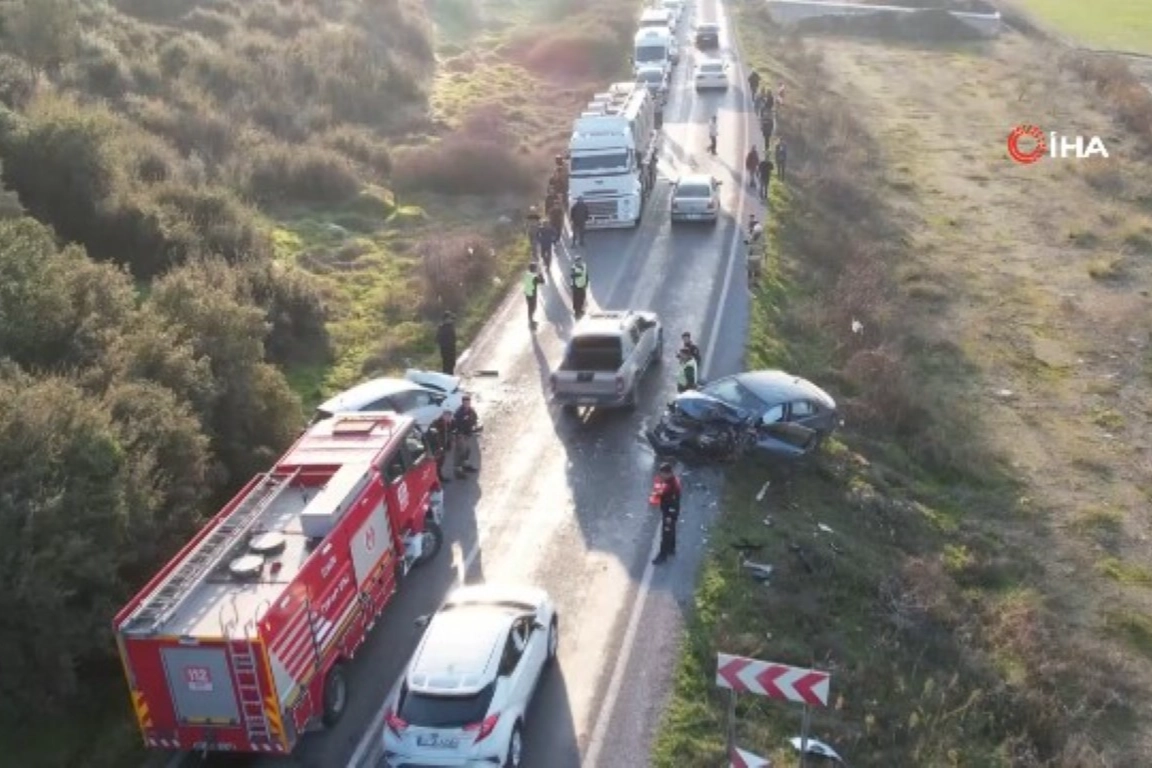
[63,514]
[45,32]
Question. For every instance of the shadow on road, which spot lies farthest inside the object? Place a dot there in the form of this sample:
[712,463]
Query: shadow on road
[551,742]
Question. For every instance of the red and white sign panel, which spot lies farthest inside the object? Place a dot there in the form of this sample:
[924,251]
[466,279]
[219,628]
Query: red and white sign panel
[742,759]
[776,681]
[199,679]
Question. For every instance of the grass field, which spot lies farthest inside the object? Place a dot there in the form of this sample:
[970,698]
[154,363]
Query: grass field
[987,501]
[1122,25]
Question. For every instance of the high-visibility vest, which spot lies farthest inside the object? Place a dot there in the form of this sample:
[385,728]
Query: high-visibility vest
[529,284]
[689,364]
[580,276]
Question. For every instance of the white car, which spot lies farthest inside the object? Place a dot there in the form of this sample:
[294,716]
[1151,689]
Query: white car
[464,697]
[674,7]
[423,395]
[711,73]
[655,79]
[696,197]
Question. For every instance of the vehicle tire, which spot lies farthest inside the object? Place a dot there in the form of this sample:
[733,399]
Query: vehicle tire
[335,695]
[553,640]
[515,747]
[433,539]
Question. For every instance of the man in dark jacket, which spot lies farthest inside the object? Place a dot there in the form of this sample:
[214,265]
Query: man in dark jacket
[754,83]
[765,176]
[767,127]
[670,493]
[440,438]
[466,425]
[446,340]
[690,347]
[546,238]
[781,157]
[579,216]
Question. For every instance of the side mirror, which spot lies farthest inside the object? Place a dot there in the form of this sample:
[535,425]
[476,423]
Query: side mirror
[422,621]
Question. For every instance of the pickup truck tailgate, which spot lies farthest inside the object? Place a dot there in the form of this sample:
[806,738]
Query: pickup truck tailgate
[591,383]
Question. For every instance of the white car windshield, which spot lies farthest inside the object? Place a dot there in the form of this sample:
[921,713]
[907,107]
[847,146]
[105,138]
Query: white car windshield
[712,68]
[651,77]
[587,164]
[651,53]
[694,191]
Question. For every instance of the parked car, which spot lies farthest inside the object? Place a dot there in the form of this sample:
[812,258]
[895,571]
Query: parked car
[606,358]
[675,7]
[707,36]
[696,197]
[655,79]
[423,395]
[711,73]
[768,411]
[465,696]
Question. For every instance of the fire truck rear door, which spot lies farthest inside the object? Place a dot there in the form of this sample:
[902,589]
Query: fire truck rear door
[200,684]
[371,542]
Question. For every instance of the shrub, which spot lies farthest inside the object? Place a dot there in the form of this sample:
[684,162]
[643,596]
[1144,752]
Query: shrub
[211,24]
[294,311]
[17,83]
[591,50]
[463,165]
[278,173]
[194,127]
[223,224]
[361,145]
[279,19]
[1116,82]
[451,268]
[100,69]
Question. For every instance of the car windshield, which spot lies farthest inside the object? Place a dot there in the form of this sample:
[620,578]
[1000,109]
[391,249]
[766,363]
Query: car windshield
[611,161]
[711,68]
[708,29]
[694,191]
[734,393]
[427,711]
[651,77]
[650,53]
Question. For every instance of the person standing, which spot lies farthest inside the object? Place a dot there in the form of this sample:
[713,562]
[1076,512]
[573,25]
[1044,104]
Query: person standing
[765,171]
[689,346]
[560,181]
[670,493]
[781,157]
[579,215]
[556,219]
[767,127]
[546,238]
[768,103]
[579,279]
[531,225]
[466,426]
[440,436]
[754,83]
[713,134]
[752,166]
[689,375]
[446,340]
[531,284]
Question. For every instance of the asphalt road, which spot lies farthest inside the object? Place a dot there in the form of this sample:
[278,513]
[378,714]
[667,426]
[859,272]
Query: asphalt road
[561,500]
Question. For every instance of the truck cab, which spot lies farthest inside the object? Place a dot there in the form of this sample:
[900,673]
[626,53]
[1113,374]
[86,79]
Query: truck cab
[654,45]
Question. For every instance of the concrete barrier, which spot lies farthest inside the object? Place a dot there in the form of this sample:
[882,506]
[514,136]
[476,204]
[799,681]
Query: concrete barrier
[786,12]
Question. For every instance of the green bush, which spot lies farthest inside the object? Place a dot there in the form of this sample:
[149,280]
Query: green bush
[294,311]
[279,173]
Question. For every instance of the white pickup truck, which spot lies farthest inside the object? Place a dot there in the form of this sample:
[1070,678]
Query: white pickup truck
[606,358]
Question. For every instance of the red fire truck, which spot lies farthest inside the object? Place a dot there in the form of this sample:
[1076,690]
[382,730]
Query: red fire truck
[239,643]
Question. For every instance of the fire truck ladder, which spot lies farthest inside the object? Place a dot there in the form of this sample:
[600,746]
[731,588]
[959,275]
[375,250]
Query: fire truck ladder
[247,680]
[159,607]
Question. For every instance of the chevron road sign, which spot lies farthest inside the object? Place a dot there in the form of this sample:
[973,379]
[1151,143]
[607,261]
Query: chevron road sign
[776,681]
[741,759]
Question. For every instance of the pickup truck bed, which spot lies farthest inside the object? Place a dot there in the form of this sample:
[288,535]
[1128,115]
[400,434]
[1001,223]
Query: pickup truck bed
[606,358]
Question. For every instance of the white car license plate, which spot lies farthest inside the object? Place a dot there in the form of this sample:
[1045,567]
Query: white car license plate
[436,741]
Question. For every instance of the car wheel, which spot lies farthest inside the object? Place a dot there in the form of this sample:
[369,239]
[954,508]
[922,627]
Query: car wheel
[553,640]
[515,747]
[335,695]
[433,538]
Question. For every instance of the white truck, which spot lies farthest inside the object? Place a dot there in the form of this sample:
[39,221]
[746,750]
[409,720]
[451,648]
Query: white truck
[654,45]
[612,157]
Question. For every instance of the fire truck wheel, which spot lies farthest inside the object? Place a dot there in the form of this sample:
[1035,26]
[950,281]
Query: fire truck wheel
[515,747]
[433,538]
[335,695]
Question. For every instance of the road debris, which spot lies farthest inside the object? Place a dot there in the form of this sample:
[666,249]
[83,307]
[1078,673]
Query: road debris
[763,491]
[817,748]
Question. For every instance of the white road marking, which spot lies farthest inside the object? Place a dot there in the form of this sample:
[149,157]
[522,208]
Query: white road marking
[608,706]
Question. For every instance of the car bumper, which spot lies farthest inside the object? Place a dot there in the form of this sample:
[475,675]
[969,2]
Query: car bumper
[396,761]
[593,401]
[695,215]
[707,85]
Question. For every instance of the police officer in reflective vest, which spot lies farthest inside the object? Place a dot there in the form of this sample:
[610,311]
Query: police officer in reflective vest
[532,282]
[689,376]
[579,278]
[669,499]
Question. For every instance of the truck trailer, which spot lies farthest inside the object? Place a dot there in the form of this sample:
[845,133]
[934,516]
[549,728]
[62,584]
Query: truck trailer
[240,643]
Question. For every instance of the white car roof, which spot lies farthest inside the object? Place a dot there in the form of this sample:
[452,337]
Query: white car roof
[695,178]
[357,397]
[709,62]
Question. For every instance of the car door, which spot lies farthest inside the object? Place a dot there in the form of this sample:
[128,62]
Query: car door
[532,657]
[636,355]
[513,666]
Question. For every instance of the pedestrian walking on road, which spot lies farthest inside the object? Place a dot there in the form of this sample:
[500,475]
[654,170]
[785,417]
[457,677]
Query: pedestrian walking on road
[531,225]
[752,166]
[579,280]
[767,127]
[440,437]
[689,346]
[466,425]
[579,217]
[754,83]
[446,340]
[531,284]
[546,238]
[781,157]
[689,375]
[670,491]
[765,171]
[713,134]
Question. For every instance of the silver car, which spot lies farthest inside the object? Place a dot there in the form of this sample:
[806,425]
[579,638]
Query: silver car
[696,197]
[655,79]
[423,395]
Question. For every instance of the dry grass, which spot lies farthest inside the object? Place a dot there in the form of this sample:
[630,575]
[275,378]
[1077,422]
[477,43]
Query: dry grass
[984,509]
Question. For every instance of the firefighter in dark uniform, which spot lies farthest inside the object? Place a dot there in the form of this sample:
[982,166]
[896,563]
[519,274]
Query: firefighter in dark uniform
[669,512]
[579,278]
